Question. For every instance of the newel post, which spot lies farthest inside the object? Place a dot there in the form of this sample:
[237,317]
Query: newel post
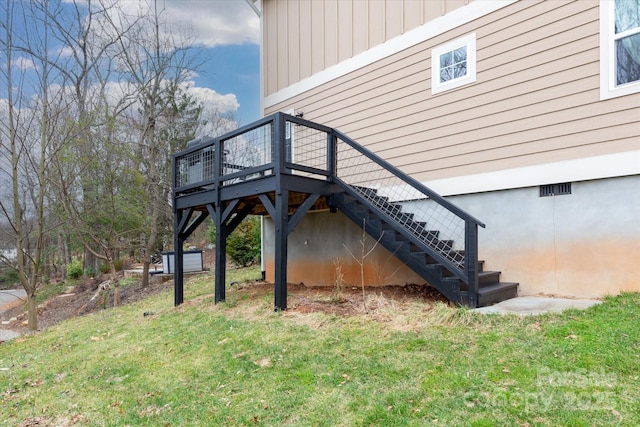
[471,261]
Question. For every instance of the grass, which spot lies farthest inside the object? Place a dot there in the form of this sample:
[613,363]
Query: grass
[239,363]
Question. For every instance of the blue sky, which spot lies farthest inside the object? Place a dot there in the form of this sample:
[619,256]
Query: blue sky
[228,33]
[235,69]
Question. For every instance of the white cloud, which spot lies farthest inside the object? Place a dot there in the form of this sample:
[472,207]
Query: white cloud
[217,22]
[213,101]
[23,64]
[213,22]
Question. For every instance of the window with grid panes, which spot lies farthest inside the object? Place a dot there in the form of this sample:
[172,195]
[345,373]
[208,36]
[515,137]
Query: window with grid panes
[453,64]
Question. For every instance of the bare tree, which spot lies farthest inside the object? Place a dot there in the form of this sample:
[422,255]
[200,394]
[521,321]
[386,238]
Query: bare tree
[97,101]
[26,133]
[91,48]
[157,61]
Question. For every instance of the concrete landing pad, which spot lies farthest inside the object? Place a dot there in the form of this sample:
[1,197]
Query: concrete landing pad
[537,305]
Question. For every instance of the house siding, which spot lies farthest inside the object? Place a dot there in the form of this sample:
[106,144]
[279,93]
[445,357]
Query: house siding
[304,37]
[536,98]
[533,116]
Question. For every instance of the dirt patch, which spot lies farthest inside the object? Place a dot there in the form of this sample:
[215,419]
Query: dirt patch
[91,296]
[349,302]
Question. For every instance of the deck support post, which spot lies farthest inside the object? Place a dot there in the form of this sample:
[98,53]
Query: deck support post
[221,253]
[281,223]
[178,276]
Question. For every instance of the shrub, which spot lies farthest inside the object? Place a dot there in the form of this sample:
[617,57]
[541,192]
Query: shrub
[8,278]
[74,269]
[243,245]
[104,268]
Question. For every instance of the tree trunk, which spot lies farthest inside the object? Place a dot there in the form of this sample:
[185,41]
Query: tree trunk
[63,256]
[145,272]
[115,282]
[90,261]
[32,311]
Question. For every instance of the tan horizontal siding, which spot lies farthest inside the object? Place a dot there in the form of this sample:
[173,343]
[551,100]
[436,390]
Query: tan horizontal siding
[411,74]
[469,115]
[445,169]
[536,98]
[544,138]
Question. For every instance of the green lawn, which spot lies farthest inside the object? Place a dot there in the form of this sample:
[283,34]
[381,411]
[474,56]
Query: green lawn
[239,363]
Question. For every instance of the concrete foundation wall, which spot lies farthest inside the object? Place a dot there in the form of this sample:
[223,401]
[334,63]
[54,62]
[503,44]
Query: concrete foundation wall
[586,244]
[319,249]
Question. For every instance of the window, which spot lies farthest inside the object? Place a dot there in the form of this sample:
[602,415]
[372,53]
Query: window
[453,64]
[619,48]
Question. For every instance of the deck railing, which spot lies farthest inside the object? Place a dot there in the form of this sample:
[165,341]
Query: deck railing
[284,144]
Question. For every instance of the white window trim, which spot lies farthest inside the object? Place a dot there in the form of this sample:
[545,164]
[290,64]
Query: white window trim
[470,42]
[584,169]
[608,88]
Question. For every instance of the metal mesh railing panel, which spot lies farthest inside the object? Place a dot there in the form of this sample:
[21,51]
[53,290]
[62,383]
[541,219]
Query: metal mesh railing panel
[431,223]
[309,146]
[247,150]
[195,167]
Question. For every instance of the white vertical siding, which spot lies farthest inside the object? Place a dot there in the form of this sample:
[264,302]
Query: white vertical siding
[303,37]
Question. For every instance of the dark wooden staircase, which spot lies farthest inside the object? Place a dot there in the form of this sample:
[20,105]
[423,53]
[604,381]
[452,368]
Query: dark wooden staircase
[284,166]
[397,231]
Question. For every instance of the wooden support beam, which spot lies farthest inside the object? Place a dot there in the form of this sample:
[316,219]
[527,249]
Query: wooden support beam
[221,253]
[301,211]
[231,206]
[237,219]
[178,276]
[195,223]
[185,215]
[268,205]
[281,227]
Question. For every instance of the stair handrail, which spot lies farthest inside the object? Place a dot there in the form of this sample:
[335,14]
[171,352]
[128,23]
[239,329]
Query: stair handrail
[409,180]
[469,272]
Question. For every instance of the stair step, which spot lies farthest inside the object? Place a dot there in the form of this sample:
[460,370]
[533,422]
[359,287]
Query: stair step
[397,230]
[443,245]
[486,278]
[426,259]
[480,265]
[492,294]
[428,235]
[456,256]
